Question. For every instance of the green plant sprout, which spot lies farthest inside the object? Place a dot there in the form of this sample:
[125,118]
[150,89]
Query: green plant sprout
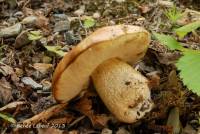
[173,14]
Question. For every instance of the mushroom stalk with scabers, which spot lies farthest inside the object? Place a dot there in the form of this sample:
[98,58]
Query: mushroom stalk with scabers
[105,56]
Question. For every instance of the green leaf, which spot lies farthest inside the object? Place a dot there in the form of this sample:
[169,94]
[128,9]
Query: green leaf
[89,22]
[182,31]
[55,49]
[34,35]
[189,66]
[7,118]
[168,41]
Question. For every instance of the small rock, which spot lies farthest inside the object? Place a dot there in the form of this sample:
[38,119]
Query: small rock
[29,81]
[106,131]
[44,41]
[22,40]
[122,131]
[96,15]
[29,20]
[59,17]
[80,11]
[11,31]
[62,26]
[165,3]
[43,67]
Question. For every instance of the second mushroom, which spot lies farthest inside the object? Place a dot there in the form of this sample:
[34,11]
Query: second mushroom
[105,56]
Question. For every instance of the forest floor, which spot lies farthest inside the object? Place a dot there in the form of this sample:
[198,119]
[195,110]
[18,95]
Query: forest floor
[34,36]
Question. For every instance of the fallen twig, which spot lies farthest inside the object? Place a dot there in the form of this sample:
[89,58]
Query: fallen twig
[43,116]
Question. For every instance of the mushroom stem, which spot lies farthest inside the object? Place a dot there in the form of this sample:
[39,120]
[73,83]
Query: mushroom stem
[123,90]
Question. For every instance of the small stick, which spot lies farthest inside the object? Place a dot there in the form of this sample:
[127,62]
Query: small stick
[43,116]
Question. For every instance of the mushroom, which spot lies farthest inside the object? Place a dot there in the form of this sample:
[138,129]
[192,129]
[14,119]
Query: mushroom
[105,56]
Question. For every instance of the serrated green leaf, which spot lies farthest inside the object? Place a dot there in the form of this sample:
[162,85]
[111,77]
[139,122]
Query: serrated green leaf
[189,66]
[168,41]
[34,35]
[89,22]
[184,30]
[7,118]
[55,49]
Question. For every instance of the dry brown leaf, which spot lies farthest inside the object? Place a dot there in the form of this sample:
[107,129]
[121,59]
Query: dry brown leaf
[5,69]
[43,67]
[5,91]
[85,107]
[145,8]
[154,79]
[41,22]
[100,120]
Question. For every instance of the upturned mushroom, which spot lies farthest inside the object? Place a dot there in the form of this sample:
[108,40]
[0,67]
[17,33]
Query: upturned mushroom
[105,56]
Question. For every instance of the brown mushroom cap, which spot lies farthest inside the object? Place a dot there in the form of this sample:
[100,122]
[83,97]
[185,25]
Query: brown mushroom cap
[126,42]
[123,90]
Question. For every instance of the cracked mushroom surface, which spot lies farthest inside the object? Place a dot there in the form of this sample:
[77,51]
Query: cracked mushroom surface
[106,49]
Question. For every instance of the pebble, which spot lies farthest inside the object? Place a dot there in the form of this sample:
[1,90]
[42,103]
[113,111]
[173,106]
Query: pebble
[11,31]
[165,3]
[96,15]
[29,81]
[62,26]
[106,131]
[59,17]
[122,131]
[29,20]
